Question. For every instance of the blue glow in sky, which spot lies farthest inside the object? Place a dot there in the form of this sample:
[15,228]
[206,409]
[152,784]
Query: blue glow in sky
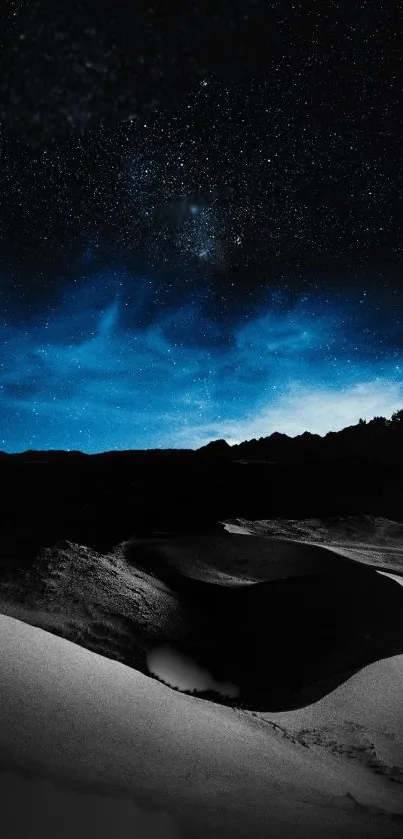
[96,371]
[199,238]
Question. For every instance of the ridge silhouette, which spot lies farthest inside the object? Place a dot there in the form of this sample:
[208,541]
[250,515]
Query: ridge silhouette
[360,438]
[102,499]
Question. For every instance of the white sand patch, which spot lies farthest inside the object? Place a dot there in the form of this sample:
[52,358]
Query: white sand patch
[183,672]
[231,527]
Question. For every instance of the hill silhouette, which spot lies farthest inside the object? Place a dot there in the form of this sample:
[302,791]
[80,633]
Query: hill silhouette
[101,499]
[378,438]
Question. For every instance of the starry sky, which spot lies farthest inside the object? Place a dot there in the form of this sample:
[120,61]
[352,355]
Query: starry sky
[201,221]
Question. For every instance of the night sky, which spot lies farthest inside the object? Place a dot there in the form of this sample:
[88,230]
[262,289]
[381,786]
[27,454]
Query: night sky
[201,220]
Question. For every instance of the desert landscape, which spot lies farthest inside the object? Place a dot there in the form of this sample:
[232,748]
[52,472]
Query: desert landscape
[201,420]
[241,679]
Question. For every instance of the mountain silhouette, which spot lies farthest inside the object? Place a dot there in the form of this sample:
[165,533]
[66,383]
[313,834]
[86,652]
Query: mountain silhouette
[101,499]
[378,438]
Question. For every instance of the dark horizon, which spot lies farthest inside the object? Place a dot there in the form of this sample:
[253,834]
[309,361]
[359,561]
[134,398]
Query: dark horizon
[395,419]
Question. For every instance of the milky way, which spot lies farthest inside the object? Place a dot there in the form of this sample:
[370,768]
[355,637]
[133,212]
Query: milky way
[198,243]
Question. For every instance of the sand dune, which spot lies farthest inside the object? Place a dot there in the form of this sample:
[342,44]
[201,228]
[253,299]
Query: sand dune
[225,557]
[370,540]
[283,619]
[84,724]
[93,748]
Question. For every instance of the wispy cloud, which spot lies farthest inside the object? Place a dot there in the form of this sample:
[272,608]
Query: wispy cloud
[95,376]
[308,409]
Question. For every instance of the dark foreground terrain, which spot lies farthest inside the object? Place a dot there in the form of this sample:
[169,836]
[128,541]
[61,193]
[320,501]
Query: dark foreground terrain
[117,521]
[281,578]
[99,500]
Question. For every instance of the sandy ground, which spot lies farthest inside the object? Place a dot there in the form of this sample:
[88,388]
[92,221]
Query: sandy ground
[92,748]
[86,738]
[371,540]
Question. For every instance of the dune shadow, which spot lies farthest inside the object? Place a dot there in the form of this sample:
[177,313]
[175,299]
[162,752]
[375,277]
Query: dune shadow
[284,642]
